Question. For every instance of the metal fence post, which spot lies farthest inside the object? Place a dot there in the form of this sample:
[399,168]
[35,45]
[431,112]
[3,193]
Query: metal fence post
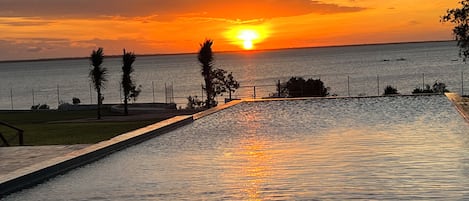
[377,79]
[11,98]
[348,85]
[153,88]
[58,96]
[423,81]
[278,88]
[254,92]
[462,83]
[33,95]
[165,93]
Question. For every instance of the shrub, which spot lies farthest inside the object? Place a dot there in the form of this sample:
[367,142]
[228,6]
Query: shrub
[390,90]
[438,87]
[299,87]
[425,90]
[76,101]
[40,107]
[194,103]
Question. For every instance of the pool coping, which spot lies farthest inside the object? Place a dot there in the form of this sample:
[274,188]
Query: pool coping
[456,99]
[40,172]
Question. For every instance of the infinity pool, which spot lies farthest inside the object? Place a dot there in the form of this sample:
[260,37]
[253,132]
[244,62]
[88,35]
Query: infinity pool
[389,148]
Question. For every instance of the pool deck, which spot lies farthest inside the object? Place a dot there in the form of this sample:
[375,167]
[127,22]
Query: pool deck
[22,167]
[15,158]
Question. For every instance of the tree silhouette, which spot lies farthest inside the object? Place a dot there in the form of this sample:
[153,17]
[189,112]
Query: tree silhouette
[205,57]
[224,82]
[299,87]
[128,85]
[460,17]
[216,80]
[98,75]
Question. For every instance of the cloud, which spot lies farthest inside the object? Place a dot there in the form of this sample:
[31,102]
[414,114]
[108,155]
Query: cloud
[164,9]
[34,49]
[414,22]
[21,22]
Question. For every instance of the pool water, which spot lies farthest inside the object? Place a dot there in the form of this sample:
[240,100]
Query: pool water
[388,148]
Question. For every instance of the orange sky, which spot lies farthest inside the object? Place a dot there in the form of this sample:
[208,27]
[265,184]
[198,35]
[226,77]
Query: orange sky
[33,29]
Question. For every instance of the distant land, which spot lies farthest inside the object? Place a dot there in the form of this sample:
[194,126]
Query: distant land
[236,51]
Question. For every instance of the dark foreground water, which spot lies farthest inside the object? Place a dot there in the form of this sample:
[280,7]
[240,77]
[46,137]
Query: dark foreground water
[391,148]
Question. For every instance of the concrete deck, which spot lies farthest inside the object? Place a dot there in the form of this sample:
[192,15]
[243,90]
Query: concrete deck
[14,158]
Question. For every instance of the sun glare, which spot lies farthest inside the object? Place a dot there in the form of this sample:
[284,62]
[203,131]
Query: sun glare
[247,36]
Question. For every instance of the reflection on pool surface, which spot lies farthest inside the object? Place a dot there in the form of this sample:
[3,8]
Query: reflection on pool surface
[395,148]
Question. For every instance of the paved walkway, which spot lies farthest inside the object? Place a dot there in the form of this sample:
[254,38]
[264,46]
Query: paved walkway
[14,158]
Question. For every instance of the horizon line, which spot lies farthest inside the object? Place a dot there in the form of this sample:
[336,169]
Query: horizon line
[227,51]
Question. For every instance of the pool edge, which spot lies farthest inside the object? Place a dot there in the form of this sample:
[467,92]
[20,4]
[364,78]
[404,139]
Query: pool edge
[456,99]
[217,109]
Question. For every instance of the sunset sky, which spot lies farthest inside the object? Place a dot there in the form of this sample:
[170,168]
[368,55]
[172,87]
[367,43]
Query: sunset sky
[32,29]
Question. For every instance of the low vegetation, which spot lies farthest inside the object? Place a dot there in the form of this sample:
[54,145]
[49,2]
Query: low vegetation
[193,102]
[299,87]
[390,90]
[49,127]
[40,107]
[438,87]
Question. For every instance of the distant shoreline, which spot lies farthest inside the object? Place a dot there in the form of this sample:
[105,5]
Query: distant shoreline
[233,51]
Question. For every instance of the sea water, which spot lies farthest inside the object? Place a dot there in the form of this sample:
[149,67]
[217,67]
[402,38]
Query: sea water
[347,71]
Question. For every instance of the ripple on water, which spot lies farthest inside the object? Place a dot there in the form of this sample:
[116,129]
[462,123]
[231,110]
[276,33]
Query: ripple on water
[391,148]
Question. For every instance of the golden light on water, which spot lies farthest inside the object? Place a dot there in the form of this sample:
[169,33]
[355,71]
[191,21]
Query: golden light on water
[247,37]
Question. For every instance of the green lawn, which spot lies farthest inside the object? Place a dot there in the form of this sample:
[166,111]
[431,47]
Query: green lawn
[39,131]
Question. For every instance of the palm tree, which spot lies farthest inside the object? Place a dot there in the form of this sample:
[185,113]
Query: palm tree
[98,75]
[206,58]
[127,83]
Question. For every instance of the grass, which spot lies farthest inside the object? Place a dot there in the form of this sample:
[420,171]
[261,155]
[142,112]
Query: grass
[38,129]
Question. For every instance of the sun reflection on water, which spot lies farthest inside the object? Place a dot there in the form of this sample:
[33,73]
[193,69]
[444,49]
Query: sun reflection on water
[253,159]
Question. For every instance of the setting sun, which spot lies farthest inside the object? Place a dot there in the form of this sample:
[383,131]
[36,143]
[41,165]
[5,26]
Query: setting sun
[247,36]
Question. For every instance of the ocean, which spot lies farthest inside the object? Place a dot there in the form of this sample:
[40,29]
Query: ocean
[347,71]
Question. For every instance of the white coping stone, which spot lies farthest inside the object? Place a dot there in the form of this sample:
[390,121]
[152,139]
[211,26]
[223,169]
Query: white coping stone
[456,99]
